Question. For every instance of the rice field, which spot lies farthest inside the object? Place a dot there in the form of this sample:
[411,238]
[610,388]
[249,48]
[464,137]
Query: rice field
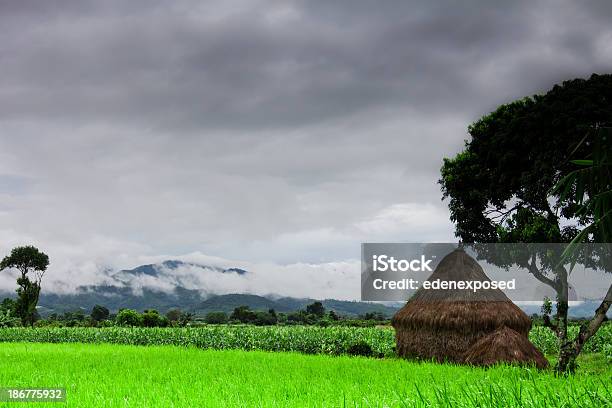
[104,375]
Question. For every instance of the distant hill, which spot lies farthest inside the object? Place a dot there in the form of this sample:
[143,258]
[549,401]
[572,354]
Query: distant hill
[227,303]
[118,298]
[131,288]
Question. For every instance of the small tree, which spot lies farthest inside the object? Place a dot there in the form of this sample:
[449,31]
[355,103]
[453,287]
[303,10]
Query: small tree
[32,264]
[243,314]
[129,317]
[152,318]
[316,309]
[216,318]
[590,188]
[173,315]
[185,319]
[268,318]
[99,313]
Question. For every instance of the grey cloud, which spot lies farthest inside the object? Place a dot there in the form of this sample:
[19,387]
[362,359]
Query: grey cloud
[168,67]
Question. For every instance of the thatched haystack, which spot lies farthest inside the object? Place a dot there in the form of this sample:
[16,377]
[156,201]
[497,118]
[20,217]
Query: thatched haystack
[505,345]
[443,324]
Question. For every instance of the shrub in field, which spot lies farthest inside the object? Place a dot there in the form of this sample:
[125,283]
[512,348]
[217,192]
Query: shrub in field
[129,317]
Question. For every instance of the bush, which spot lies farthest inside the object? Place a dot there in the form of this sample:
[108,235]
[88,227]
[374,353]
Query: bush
[99,313]
[174,315]
[243,314]
[316,309]
[129,317]
[360,349]
[106,323]
[265,319]
[152,318]
[8,320]
[216,318]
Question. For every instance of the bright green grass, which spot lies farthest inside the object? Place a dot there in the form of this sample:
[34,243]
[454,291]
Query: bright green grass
[102,375]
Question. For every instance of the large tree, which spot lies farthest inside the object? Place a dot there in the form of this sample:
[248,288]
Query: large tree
[499,187]
[589,187]
[31,264]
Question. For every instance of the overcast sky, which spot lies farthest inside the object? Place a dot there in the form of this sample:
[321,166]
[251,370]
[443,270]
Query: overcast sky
[262,131]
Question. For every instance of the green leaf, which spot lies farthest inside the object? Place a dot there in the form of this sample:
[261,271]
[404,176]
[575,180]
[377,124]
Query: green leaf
[583,162]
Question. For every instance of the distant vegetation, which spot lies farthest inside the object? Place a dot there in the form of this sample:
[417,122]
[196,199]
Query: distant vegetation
[313,314]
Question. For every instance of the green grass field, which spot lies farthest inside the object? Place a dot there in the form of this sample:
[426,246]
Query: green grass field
[103,375]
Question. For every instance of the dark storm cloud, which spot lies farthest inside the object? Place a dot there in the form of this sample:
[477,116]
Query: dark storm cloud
[269,64]
[266,130]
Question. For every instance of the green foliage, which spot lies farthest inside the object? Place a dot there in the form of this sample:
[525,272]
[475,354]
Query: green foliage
[99,313]
[7,304]
[32,264]
[26,259]
[7,319]
[301,317]
[607,352]
[129,317]
[315,308]
[589,188]
[515,182]
[152,318]
[376,316]
[216,318]
[304,339]
[174,315]
[178,318]
[185,319]
[546,306]
[545,340]
[243,314]
[498,186]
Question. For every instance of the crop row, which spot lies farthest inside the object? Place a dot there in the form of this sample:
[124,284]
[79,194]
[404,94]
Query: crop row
[304,339]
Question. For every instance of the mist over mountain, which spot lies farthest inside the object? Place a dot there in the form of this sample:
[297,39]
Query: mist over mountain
[201,288]
[188,286]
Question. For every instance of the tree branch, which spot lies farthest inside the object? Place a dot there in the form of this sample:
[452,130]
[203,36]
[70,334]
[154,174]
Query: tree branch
[533,269]
[588,330]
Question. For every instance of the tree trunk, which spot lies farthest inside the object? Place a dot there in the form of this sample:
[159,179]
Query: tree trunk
[562,309]
[569,353]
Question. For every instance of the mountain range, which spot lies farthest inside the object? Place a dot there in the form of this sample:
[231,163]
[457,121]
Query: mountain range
[172,285]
